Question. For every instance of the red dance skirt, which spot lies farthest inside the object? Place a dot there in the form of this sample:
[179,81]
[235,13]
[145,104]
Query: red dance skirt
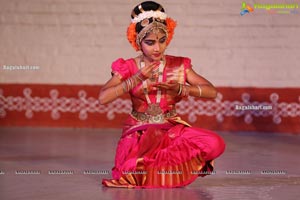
[163,155]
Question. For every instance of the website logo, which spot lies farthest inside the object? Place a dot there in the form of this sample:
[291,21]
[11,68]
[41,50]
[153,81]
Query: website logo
[275,8]
[246,8]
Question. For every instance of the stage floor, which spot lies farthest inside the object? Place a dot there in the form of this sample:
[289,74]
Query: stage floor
[66,163]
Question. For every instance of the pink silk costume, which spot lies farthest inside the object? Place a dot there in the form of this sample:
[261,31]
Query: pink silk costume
[164,155]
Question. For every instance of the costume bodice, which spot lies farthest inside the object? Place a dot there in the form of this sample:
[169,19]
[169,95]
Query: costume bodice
[174,70]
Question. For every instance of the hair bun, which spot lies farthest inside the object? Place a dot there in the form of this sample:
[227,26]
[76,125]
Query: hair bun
[146,6]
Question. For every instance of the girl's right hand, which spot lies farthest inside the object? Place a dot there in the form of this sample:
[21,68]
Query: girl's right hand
[149,70]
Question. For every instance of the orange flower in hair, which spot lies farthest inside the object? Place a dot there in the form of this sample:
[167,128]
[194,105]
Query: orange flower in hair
[131,36]
[171,25]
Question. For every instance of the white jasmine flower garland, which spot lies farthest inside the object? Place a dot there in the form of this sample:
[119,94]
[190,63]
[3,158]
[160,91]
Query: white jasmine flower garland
[149,14]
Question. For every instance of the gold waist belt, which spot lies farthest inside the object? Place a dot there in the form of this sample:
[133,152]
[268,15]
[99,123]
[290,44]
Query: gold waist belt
[141,116]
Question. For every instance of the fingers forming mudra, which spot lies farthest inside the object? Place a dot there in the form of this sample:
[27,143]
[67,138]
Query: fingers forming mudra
[148,70]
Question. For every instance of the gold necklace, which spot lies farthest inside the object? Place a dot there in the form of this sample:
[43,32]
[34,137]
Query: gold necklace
[154,108]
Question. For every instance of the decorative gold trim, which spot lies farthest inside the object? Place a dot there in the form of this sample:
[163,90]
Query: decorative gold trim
[164,176]
[140,116]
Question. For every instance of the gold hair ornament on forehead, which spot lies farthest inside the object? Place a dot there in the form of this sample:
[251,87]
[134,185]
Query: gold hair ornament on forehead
[154,27]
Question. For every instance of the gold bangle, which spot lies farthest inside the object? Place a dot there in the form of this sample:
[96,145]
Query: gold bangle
[138,77]
[180,90]
[185,91]
[200,90]
[116,91]
[124,86]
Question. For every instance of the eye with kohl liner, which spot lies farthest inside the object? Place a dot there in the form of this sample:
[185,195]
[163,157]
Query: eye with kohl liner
[149,42]
[163,39]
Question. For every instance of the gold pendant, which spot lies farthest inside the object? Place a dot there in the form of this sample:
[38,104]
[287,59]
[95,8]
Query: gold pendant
[154,109]
[157,119]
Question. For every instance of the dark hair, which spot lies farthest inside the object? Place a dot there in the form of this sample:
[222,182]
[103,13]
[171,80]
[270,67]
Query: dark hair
[146,6]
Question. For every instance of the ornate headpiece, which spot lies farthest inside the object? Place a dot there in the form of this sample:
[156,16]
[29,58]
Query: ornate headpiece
[146,17]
